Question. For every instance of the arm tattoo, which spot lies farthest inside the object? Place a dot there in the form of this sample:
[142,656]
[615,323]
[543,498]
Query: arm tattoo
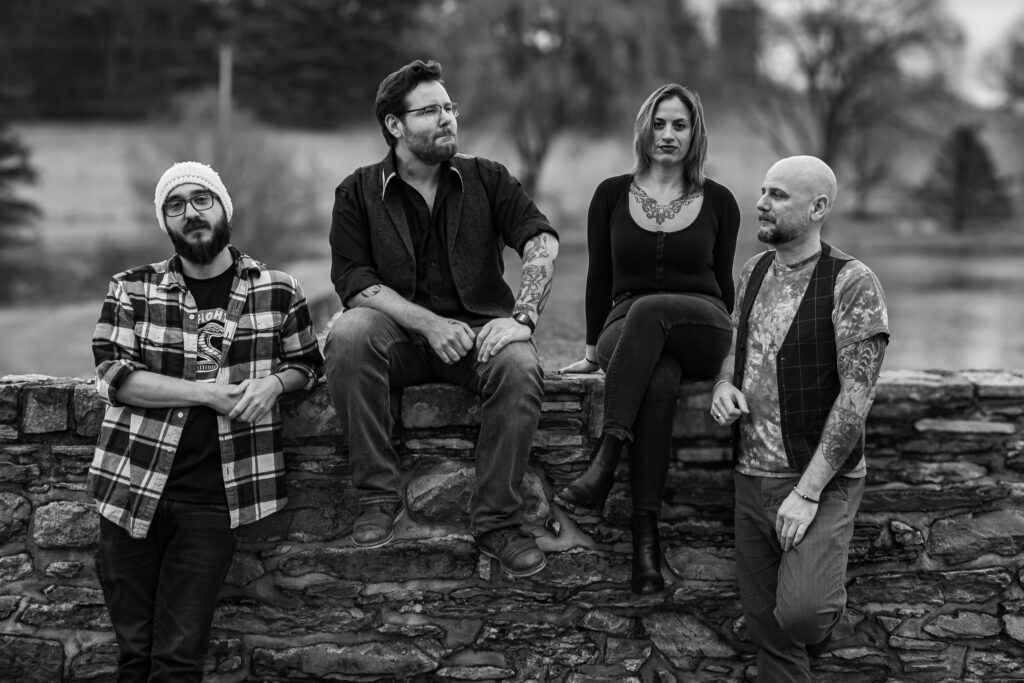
[535,281]
[859,365]
[370,291]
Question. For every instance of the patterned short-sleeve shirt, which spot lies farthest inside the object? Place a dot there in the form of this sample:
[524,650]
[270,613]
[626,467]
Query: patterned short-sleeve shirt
[859,313]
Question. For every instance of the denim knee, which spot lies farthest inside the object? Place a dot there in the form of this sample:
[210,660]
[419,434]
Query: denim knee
[353,335]
[517,368]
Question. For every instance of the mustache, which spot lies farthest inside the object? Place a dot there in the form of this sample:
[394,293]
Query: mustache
[195,223]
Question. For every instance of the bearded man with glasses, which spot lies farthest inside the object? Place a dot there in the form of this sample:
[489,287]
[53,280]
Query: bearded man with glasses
[416,247]
[192,354]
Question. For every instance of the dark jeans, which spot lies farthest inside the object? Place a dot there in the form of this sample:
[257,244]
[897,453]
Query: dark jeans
[791,599]
[368,354]
[161,591]
[649,344]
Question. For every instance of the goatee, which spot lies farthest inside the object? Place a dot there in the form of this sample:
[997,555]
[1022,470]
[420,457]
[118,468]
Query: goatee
[204,252]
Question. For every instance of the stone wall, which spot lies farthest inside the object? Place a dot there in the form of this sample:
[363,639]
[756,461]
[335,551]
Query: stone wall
[935,577]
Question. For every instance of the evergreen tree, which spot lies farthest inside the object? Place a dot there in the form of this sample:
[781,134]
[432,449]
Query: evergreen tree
[963,187]
[16,214]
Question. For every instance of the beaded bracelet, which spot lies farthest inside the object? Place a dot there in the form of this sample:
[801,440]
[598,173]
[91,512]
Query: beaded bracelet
[805,496]
[281,382]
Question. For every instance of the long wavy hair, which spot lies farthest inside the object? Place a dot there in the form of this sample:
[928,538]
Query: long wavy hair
[643,132]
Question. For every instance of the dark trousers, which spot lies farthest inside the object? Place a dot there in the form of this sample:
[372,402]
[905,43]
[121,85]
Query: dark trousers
[368,354]
[791,599]
[161,591]
[650,343]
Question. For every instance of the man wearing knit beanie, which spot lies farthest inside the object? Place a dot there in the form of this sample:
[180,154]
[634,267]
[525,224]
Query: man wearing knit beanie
[189,449]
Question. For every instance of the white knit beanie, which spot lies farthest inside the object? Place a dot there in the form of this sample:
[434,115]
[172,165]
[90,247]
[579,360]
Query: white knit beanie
[189,172]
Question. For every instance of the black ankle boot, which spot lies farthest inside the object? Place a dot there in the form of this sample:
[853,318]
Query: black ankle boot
[646,554]
[589,490]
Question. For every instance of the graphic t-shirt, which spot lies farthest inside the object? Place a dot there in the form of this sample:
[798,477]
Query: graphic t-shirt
[195,476]
[858,313]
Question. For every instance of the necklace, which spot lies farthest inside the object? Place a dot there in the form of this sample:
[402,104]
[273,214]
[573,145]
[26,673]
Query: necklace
[660,213]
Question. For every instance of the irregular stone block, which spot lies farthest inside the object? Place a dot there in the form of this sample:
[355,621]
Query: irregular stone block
[8,433]
[904,534]
[307,415]
[605,621]
[96,662]
[965,537]
[9,397]
[15,567]
[964,427]
[45,408]
[949,662]
[66,524]
[245,568]
[1013,619]
[30,660]
[917,387]
[684,639]
[223,656]
[628,653]
[15,512]
[475,673]
[570,384]
[928,498]
[87,409]
[66,615]
[580,567]
[8,606]
[439,405]
[903,643]
[963,624]
[985,665]
[18,474]
[462,447]
[929,588]
[995,383]
[442,558]
[327,660]
[72,462]
[699,564]
[64,569]
[301,618]
[902,470]
[542,642]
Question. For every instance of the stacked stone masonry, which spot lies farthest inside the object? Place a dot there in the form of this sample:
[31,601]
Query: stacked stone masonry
[935,577]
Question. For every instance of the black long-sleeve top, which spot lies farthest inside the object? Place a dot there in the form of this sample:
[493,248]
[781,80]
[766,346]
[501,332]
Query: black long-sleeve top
[627,259]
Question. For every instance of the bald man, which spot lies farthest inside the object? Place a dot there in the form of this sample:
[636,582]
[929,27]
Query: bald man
[810,333]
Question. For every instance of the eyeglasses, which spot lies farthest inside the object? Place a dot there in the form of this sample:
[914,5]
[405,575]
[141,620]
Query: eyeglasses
[434,110]
[199,202]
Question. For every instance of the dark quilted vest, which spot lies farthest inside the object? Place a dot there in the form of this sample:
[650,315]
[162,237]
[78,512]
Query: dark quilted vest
[806,363]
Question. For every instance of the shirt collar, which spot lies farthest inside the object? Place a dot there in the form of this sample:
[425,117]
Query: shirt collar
[390,170]
[174,276]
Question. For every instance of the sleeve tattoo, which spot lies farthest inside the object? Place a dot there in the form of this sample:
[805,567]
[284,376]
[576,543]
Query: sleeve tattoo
[538,269]
[859,366]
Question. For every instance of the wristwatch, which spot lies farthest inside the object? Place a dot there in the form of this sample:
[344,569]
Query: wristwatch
[525,319]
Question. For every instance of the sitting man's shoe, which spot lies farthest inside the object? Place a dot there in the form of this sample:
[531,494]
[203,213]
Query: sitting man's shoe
[514,549]
[375,525]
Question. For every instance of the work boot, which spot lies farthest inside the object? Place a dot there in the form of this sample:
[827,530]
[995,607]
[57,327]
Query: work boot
[588,492]
[514,549]
[375,526]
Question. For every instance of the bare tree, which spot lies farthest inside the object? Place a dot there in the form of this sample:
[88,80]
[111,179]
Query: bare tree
[538,68]
[839,77]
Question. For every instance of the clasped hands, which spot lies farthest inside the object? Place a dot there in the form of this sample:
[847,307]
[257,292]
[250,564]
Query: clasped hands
[451,339]
[247,401]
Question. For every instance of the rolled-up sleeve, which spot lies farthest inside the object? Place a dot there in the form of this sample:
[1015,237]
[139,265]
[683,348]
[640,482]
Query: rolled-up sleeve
[114,347]
[352,266]
[300,349]
[512,209]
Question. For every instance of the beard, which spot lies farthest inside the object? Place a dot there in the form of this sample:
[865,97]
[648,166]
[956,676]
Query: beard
[203,252]
[428,150]
[775,234]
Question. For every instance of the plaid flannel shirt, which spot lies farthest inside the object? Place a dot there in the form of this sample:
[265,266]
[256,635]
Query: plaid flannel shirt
[149,322]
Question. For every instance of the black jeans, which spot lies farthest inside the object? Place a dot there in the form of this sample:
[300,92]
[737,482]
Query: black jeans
[368,354]
[161,591]
[649,344]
